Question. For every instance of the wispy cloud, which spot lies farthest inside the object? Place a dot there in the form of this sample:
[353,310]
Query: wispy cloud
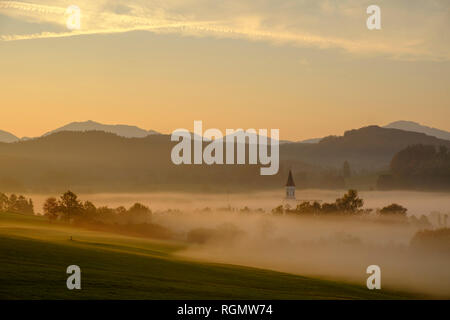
[246,21]
[30,7]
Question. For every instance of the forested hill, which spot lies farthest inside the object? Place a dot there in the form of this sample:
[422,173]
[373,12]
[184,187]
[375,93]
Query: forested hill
[367,148]
[96,161]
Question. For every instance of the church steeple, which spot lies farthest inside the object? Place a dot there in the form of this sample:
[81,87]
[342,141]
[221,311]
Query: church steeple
[290,181]
[290,187]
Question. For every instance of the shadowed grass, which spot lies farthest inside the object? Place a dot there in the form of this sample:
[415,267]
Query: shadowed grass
[34,255]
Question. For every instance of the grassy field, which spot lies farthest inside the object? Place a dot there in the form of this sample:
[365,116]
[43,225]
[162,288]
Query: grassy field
[34,255]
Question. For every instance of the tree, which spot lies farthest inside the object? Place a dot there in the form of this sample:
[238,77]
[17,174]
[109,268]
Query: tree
[12,203]
[350,202]
[70,205]
[307,207]
[393,209]
[51,208]
[105,213]
[138,212]
[89,209]
[121,211]
[30,207]
[329,208]
[346,172]
[20,204]
[278,210]
[138,209]
[3,202]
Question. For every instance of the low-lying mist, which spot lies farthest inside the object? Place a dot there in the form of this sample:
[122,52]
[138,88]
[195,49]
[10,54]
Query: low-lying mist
[330,247]
[418,203]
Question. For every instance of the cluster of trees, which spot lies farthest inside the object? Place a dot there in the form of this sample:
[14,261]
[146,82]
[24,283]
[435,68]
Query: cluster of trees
[422,222]
[419,167]
[16,204]
[69,208]
[350,203]
[393,209]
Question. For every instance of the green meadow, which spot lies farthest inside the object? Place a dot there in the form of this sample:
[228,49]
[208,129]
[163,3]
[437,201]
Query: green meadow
[34,255]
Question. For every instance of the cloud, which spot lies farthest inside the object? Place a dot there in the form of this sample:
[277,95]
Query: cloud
[319,24]
[30,7]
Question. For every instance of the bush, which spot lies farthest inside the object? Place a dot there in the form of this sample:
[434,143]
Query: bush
[393,209]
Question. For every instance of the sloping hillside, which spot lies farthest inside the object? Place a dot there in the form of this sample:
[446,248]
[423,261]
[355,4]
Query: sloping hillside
[118,267]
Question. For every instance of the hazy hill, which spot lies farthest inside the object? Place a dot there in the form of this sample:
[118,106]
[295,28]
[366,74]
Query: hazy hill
[7,137]
[416,127]
[99,161]
[367,148]
[313,140]
[418,167]
[96,161]
[255,137]
[119,129]
[406,126]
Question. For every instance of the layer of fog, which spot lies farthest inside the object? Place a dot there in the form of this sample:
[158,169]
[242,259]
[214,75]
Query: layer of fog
[418,203]
[329,248]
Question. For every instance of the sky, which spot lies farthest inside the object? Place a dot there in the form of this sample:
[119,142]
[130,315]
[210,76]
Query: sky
[310,68]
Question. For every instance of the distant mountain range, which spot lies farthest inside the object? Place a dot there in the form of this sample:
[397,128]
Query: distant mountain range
[95,161]
[128,131]
[416,127]
[406,126]
[313,140]
[7,137]
[121,130]
[254,137]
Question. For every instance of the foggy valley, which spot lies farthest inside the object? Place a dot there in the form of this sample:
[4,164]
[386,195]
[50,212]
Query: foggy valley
[239,228]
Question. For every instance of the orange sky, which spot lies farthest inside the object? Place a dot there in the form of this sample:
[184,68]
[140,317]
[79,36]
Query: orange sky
[252,79]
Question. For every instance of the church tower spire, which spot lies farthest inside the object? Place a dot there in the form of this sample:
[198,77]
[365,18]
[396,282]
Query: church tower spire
[290,187]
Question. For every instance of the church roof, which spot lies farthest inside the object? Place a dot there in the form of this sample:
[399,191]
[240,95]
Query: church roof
[290,181]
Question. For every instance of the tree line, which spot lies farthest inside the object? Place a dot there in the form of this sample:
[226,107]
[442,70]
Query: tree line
[349,204]
[16,204]
[69,208]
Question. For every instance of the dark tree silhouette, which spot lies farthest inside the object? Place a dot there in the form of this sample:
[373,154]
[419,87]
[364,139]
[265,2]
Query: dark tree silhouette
[19,204]
[51,208]
[70,205]
[3,202]
[393,209]
[350,202]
